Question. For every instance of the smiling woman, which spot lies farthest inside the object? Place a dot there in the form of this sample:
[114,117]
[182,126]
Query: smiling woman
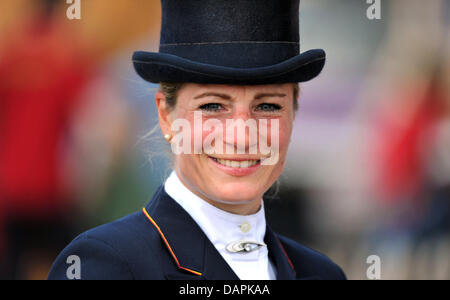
[233,182]
[240,73]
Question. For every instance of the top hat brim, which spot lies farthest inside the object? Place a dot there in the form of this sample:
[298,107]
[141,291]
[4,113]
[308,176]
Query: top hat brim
[159,67]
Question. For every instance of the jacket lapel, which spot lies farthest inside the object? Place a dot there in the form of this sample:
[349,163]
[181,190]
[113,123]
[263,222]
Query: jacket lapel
[191,251]
[283,265]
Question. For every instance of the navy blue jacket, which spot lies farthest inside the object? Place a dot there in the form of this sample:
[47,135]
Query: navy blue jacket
[164,242]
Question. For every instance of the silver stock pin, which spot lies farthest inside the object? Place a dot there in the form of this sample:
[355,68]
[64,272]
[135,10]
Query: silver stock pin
[243,246]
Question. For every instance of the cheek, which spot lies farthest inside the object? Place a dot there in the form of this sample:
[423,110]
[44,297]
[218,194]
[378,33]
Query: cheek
[285,136]
[186,160]
[280,134]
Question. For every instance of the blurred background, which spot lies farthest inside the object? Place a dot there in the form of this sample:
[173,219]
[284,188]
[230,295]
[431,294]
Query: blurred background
[369,164]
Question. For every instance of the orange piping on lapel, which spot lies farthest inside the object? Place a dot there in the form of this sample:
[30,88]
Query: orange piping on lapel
[167,244]
[285,254]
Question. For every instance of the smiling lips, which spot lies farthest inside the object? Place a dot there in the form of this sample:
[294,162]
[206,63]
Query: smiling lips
[236,163]
[237,167]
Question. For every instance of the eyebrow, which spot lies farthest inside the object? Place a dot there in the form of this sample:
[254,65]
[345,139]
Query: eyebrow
[212,94]
[264,95]
[227,97]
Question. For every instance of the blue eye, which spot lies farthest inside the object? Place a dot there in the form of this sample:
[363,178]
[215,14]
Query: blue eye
[211,107]
[268,107]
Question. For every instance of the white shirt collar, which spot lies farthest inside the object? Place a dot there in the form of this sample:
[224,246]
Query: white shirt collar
[222,227]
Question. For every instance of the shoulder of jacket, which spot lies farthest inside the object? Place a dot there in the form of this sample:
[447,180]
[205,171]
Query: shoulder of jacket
[310,262]
[120,247]
[130,228]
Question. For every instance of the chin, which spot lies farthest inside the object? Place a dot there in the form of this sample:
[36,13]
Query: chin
[238,192]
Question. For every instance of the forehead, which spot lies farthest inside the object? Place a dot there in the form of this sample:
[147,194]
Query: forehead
[192,89]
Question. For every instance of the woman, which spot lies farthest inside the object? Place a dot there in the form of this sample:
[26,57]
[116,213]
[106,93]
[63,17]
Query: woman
[227,61]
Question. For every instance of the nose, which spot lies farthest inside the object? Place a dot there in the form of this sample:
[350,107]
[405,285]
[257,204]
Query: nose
[241,134]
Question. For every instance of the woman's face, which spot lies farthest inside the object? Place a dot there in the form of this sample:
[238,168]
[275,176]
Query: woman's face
[231,181]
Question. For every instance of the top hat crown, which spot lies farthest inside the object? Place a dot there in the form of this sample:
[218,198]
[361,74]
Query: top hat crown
[229,42]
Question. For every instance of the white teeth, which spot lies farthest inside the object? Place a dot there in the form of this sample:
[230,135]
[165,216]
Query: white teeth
[236,164]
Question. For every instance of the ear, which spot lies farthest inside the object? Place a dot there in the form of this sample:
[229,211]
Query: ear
[165,120]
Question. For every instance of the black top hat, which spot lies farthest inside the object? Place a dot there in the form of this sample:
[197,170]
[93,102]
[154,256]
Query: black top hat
[229,42]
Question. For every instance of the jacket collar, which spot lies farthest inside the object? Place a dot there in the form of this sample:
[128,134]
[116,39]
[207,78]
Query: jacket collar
[192,251]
